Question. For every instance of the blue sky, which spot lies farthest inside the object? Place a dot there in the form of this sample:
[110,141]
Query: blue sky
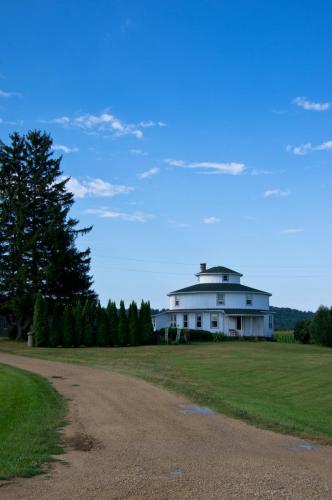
[193,131]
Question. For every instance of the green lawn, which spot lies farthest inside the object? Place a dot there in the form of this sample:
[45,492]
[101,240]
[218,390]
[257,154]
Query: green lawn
[284,387]
[31,412]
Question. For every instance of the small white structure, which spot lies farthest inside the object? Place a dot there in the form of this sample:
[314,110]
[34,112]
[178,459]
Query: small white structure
[218,303]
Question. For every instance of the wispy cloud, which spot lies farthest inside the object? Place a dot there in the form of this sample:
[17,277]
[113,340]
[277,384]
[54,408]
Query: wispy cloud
[113,214]
[211,220]
[256,172]
[307,148]
[64,149]
[9,94]
[97,188]
[149,173]
[276,193]
[304,103]
[138,152]
[105,123]
[231,168]
[292,231]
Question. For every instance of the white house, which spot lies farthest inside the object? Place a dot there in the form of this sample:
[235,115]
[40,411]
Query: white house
[218,303]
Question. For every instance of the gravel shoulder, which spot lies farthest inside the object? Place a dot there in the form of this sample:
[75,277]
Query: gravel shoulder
[130,439]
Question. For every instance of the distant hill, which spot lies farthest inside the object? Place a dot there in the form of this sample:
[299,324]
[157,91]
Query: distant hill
[286,318]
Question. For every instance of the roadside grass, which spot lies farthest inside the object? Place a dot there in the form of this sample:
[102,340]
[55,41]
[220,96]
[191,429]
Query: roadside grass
[278,386]
[31,413]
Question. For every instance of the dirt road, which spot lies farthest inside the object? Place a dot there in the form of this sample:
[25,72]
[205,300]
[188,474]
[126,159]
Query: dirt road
[129,439]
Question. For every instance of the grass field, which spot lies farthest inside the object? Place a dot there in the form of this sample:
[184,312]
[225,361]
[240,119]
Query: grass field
[279,386]
[31,412]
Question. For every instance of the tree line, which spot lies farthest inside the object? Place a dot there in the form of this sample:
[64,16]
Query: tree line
[92,325]
[317,330]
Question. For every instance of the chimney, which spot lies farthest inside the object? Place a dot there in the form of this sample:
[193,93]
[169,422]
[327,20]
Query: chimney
[203,267]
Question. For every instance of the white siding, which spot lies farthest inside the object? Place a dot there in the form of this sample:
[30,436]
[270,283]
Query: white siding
[208,300]
[218,278]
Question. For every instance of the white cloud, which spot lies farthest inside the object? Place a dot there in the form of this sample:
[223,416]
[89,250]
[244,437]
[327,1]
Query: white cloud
[307,148]
[138,152]
[9,94]
[256,172]
[211,167]
[277,193]
[64,149]
[303,102]
[96,188]
[292,231]
[149,173]
[211,220]
[106,122]
[112,214]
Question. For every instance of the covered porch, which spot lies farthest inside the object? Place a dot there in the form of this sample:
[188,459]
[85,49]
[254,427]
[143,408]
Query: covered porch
[244,324]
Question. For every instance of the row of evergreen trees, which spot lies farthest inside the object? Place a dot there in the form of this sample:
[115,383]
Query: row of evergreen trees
[316,331]
[91,325]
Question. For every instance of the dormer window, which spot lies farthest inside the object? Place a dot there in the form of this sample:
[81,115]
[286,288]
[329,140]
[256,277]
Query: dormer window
[220,299]
[177,301]
[225,277]
[249,300]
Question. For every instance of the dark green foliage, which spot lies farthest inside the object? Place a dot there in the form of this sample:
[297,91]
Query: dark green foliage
[37,235]
[133,324]
[285,337]
[55,333]
[102,329]
[113,322]
[145,324]
[286,318]
[302,331]
[40,322]
[321,326]
[78,326]
[122,339]
[88,337]
[68,327]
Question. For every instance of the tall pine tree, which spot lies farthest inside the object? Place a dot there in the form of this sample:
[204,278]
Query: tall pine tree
[133,326]
[113,322]
[37,236]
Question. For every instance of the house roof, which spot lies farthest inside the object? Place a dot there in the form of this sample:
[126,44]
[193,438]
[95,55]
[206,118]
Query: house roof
[219,270]
[217,287]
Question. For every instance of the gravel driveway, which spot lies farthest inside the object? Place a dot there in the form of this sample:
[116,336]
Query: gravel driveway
[128,439]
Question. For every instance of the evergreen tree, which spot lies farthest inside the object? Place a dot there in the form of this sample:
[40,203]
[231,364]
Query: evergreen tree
[78,326]
[122,339]
[37,236]
[321,326]
[133,325]
[102,333]
[88,337]
[55,333]
[68,327]
[113,322]
[40,322]
[145,323]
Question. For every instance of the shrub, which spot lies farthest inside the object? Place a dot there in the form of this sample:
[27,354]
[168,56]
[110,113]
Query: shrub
[286,337]
[302,331]
[321,326]
[40,322]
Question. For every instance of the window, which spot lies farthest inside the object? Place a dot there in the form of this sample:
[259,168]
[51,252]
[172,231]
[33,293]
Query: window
[220,299]
[238,322]
[270,321]
[185,321]
[249,300]
[225,277]
[214,320]
[173,320]
[177,301]
[198,321]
